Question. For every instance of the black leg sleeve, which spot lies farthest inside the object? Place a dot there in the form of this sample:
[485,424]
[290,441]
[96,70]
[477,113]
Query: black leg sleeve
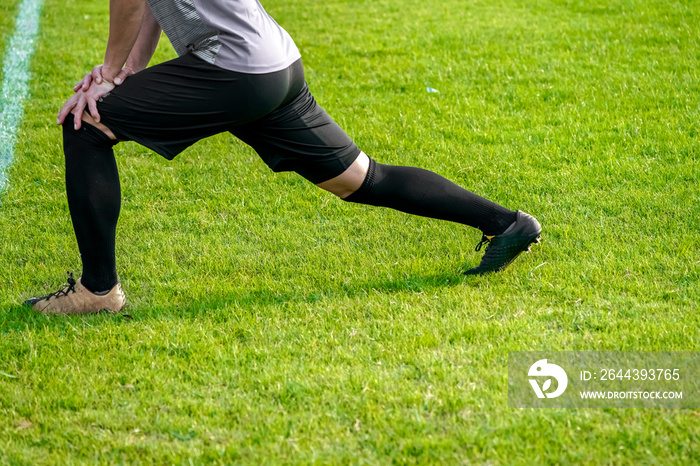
[94,200]
[422,192]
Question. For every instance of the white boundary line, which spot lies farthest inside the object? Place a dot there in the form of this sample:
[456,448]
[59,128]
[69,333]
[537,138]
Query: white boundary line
[15,80]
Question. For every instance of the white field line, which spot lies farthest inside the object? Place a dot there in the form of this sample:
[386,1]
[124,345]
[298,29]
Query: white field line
[14,88]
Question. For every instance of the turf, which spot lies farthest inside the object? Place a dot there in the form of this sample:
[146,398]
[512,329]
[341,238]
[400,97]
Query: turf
[271,323]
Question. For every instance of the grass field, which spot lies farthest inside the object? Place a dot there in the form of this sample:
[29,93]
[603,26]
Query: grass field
[273,324]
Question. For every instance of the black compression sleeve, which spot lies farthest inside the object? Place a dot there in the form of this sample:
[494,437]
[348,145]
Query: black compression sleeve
[422,192]
[94,201]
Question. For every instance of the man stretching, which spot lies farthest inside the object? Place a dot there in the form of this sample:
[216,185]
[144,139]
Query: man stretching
[237,71]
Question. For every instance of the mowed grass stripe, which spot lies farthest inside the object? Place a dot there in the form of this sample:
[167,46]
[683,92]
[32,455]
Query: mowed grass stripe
[15,83]
[8,14]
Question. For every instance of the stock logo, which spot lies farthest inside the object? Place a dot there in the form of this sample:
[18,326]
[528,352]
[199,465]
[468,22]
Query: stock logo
[544,369]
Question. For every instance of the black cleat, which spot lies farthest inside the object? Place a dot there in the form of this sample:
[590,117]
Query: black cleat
[504,248]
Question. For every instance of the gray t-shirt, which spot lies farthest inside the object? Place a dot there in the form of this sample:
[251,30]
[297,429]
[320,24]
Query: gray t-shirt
[236,35]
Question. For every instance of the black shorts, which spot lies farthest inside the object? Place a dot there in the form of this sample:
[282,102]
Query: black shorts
[170,106]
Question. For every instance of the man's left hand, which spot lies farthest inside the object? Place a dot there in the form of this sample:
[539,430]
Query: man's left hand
[84,98]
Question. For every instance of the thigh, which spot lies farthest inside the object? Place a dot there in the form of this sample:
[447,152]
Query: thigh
[300,136]
[170,106]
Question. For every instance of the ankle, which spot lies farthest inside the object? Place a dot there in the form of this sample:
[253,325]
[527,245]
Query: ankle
[499,224]
[96,287]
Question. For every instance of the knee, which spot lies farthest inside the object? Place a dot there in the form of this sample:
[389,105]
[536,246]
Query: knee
[89,124]
[88,134]
[84,146]
[350,180]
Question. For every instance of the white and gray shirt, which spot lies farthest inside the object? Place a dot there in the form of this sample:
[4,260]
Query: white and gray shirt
[236,35]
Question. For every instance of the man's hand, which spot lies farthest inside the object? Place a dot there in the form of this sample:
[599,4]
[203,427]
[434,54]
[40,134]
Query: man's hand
[96,76]
[84,98]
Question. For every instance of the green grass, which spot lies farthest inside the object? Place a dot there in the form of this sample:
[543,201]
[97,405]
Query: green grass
[275,324]
[8,11]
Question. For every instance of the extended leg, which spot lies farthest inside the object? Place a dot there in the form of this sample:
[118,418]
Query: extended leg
[421,192]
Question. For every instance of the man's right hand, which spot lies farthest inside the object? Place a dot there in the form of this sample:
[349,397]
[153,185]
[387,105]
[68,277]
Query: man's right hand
[96,76]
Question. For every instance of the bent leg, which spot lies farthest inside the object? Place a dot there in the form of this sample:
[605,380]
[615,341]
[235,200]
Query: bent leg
[94,200]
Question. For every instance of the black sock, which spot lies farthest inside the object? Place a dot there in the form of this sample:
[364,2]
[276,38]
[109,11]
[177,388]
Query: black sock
[94,200]
[422,192]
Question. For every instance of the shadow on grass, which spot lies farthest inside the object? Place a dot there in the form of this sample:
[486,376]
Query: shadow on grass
[19,317]
[267,297]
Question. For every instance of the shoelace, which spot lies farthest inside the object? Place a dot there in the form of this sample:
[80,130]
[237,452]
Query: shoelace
[64,292]
[484,240]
